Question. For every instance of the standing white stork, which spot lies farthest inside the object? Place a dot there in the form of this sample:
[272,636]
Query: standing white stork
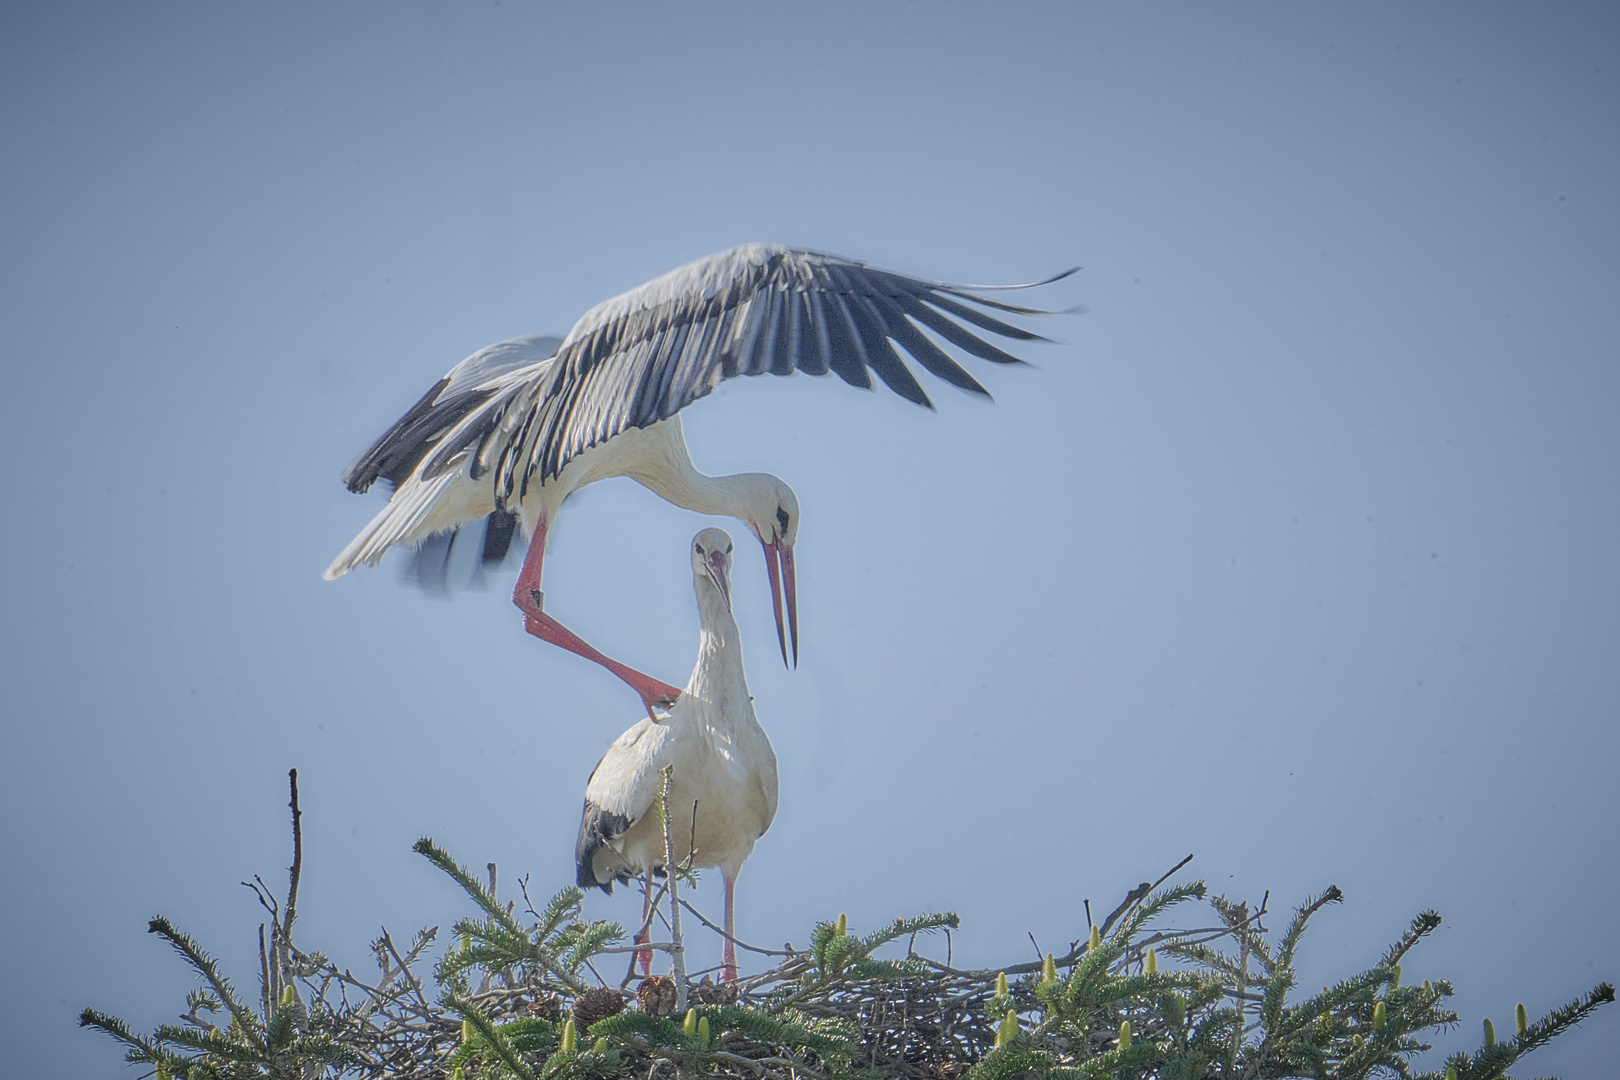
[722,787]
[509,432]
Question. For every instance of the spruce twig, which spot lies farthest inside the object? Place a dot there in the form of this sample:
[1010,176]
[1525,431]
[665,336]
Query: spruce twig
[206,967]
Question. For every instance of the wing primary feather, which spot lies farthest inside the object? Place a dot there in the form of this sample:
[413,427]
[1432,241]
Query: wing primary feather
[953,333]
[818,329]
[808,355]
[364,470]
[1015,309]
[779,335]
[936,360]
[957,288]
[981,320]
[880,354]
[844,353]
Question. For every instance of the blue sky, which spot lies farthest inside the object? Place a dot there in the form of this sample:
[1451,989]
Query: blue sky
[1297,552]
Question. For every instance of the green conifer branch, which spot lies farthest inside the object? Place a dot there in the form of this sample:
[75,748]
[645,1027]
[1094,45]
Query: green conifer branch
[503,943]
[215,1042]
[280,1031]
[1155,905]
[205,966]
[471,885]
[1422,926]
[924,924]
[139,1050]
[1015,1061]
[591,939]
[1492,1062]
[1562,1019]
[488,1032]
[654,1030]
[776,1031]
[1282,975]
[563,907]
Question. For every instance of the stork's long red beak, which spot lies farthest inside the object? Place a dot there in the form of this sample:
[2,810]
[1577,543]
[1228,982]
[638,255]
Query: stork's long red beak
[779,562]
[716,566]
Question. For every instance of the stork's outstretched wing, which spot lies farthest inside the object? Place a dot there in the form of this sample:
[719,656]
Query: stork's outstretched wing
[643,356]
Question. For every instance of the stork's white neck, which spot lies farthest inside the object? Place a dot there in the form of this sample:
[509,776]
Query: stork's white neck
[718,688]
[663,466]
[721,496]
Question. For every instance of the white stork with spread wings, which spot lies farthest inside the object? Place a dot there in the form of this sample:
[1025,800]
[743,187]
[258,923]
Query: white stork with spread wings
[722,784]
[509,432]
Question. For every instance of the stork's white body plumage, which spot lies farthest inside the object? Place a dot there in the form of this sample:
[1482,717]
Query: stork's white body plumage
[509,432]
[722,770]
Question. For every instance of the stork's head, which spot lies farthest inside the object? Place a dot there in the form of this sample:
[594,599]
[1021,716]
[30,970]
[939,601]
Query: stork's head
[772,510]
[711,564]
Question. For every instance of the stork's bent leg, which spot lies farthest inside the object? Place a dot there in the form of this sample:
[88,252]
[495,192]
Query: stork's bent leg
[651,691]
[644,956]
[528,598]
[728,954]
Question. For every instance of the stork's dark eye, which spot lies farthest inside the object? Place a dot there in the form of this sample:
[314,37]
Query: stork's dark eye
[728,549]
[698,548]
[782,518]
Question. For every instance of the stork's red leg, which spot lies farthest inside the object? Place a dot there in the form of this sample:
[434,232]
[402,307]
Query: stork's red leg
[528,598]
[728,954]
[644,956]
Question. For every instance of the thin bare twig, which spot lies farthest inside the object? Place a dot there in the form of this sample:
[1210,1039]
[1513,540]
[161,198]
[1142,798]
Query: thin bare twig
[294,872]
[740,944]
[405,969]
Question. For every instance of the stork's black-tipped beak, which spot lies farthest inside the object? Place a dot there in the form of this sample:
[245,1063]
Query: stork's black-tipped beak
[779,563]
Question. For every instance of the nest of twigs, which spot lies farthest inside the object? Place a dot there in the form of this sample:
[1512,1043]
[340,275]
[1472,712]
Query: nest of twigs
[521,995]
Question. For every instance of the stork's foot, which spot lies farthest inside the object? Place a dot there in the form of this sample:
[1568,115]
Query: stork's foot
[658,695]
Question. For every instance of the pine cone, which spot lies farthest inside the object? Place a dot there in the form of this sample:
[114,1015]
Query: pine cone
[657,995]
[546,1006]
[595,1004]
[707,993]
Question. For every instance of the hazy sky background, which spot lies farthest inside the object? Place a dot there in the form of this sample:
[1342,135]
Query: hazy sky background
[1300,552]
